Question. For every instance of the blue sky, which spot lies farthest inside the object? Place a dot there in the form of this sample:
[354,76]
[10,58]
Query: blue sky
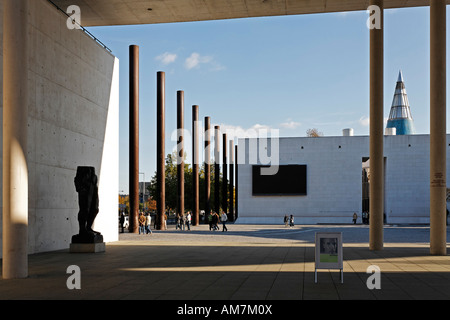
[289,73]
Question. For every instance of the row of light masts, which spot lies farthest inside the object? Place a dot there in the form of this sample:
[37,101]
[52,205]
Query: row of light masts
[160,154]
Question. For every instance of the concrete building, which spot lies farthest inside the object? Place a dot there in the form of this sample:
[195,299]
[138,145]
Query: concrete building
[60,110]
[71,119]
[334,181]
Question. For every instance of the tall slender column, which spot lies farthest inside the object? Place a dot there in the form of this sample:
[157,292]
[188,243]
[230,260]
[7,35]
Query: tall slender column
[160,150]
[231,185]
[438,127]
[207,167]
[134,138]
[224,174]
[217,169]
[195,178]
[376,132]
[15,124]
[180,153]
[236,211]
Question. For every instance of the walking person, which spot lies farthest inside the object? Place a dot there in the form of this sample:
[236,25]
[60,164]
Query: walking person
[210,220]
[224,219]
[122,221]
[141,223]
[179,219]
[148,221]
[188,220]
[355,217]
[286,220]
[165,221]
[291,221]
[215,221]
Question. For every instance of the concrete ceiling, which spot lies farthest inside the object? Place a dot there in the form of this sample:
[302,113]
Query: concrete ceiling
[129,12]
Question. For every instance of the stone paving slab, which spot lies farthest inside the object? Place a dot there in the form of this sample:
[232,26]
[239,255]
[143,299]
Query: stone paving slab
[249,262]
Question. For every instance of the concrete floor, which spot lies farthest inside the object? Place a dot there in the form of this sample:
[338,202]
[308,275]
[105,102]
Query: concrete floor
[249,262]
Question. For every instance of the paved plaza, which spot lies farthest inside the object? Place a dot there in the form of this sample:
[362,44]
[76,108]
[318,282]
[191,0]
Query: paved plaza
[248,262]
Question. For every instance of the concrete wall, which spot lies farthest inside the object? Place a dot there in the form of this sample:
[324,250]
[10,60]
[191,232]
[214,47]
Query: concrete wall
[73,121]
[334,181]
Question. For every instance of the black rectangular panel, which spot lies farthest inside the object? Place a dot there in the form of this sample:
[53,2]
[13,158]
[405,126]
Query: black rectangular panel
[289,180]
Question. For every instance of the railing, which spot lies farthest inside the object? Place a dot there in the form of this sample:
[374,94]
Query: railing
[81,27]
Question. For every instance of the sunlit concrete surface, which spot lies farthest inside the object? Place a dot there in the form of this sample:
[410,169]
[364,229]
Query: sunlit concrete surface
[263,262]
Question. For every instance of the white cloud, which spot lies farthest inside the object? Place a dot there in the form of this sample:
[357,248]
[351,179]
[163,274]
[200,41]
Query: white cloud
[289,124]
[364,121]
[195,60]
[167,58]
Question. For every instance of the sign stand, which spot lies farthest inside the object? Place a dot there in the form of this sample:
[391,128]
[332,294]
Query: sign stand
[328,252]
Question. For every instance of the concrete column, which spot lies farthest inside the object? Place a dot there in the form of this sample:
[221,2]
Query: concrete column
[236,213]
[15,124]
[231,185]
[438,127]
[134,139]
[376,132]
[224,174]
[180,153]
[217,169]
[207,167]
[195,178]
[160,151]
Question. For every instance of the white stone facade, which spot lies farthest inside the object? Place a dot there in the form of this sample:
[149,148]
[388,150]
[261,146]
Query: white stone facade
[334,180]
[73,121]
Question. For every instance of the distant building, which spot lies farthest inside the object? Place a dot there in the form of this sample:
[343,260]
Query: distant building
[326,180]
[400,116]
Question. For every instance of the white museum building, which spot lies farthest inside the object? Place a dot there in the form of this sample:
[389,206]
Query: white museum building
[322,180]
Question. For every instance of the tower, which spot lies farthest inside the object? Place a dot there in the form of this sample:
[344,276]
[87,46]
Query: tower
[400,115]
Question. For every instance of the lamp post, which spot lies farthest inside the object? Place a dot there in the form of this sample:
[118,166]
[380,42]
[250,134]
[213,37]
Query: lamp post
[143,190]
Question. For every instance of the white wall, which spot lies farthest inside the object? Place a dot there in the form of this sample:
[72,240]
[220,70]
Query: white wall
[407,192]
[73,121]
[334,187]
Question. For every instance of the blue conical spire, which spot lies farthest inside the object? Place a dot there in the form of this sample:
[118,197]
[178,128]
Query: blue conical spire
[400,116]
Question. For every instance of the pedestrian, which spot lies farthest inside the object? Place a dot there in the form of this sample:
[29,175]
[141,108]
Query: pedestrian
[291,221]
[148,221]
[210,220]
[355,217]
[215,221]
[365,217]
[188,220]
[179,219]
[224,219]
[286,220]
[165,221]
[122,221]
[141,223]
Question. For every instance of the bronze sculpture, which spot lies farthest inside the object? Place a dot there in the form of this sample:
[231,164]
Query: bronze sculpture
[86,186]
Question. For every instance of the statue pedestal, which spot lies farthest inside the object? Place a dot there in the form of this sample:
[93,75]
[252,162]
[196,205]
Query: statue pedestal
[87,243]
[87,247]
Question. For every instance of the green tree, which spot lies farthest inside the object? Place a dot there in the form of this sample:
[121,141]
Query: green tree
[171,185]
